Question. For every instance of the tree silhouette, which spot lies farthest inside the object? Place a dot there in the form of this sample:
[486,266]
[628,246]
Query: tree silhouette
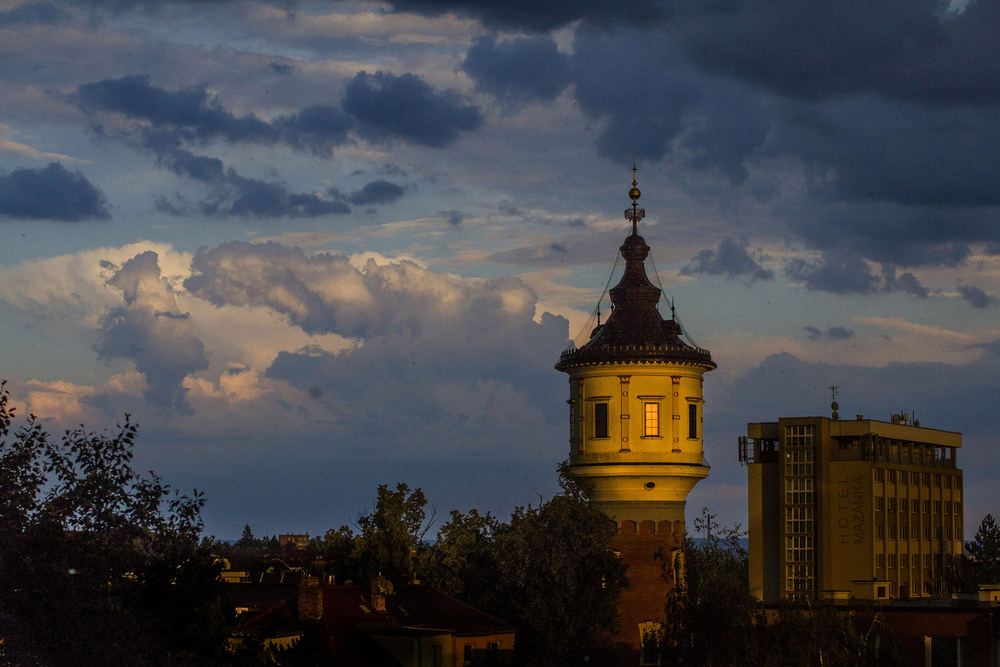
[984,551]
[98,565]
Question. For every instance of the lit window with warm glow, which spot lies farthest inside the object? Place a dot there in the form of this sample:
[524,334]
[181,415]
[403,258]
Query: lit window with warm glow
[651,421]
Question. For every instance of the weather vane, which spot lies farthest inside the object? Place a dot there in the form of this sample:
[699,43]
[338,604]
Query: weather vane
[634,214]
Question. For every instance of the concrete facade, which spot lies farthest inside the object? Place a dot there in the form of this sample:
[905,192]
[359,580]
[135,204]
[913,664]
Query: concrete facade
[843,509]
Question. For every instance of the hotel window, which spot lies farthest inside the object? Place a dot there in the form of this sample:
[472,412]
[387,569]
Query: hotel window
[937,479]
[914,478]
[879,532]
[891,504]
[927,533]
[692,420]
[937,506]
[879,503]
[600,420]
[891,560]
[651,419]
[879,476]
[914,505]
[880,560]
[892,476]
[927,560]
[947,507]
[925,479]
[892,532]
[926,505]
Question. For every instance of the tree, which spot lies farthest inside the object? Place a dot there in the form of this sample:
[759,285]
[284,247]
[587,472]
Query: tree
[984,552]
[713,619]
[461,563]
[549,571]
[711,616]
[247,540]
[99,565]
[389,536]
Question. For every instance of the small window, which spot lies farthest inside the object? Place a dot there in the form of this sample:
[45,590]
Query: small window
[892,476]
[651,419]
[880,560]
[600,420]
[467,653]
[878,475]
[693,420]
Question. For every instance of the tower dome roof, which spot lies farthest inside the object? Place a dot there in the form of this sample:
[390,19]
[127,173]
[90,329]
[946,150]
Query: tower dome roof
[635,331]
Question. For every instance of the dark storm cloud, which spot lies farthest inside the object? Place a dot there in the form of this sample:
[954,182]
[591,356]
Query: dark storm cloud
[151,330]
[975,296]
[907,177]
[904,236]
[903,49]
[236,195]
[51,193]
[317,128]
[389,107]
[189,112]
[904,282]
[518,71]
[832,333]
[378,107]
[845,272]
[45,13]
[377,192]
[538,15]
[839,273]
[651,97]
[731,259]
[931,155]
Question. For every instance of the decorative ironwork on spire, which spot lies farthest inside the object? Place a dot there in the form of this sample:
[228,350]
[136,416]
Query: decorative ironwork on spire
[634,214]
[635,332]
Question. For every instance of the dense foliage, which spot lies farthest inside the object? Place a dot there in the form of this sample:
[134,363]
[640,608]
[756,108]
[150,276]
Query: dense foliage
[99,565]
[549,571]
[713,619]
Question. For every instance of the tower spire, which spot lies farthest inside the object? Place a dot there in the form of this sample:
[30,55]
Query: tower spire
[634,214]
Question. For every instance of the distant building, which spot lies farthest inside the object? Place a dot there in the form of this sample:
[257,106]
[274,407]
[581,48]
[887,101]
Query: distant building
[843,509]
[635,413]
[295,540]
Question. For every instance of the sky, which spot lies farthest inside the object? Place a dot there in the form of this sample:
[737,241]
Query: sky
[312,248]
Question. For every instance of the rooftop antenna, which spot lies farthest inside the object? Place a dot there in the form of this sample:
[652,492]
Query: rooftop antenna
[833,405]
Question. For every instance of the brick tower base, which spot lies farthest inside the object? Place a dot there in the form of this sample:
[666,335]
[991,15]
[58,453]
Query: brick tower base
[652,552]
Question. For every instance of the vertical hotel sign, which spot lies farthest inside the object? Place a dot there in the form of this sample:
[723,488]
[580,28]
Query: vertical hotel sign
[850,523]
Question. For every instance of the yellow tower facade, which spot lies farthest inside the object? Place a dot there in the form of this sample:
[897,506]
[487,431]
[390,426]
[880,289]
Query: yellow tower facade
[636,436]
